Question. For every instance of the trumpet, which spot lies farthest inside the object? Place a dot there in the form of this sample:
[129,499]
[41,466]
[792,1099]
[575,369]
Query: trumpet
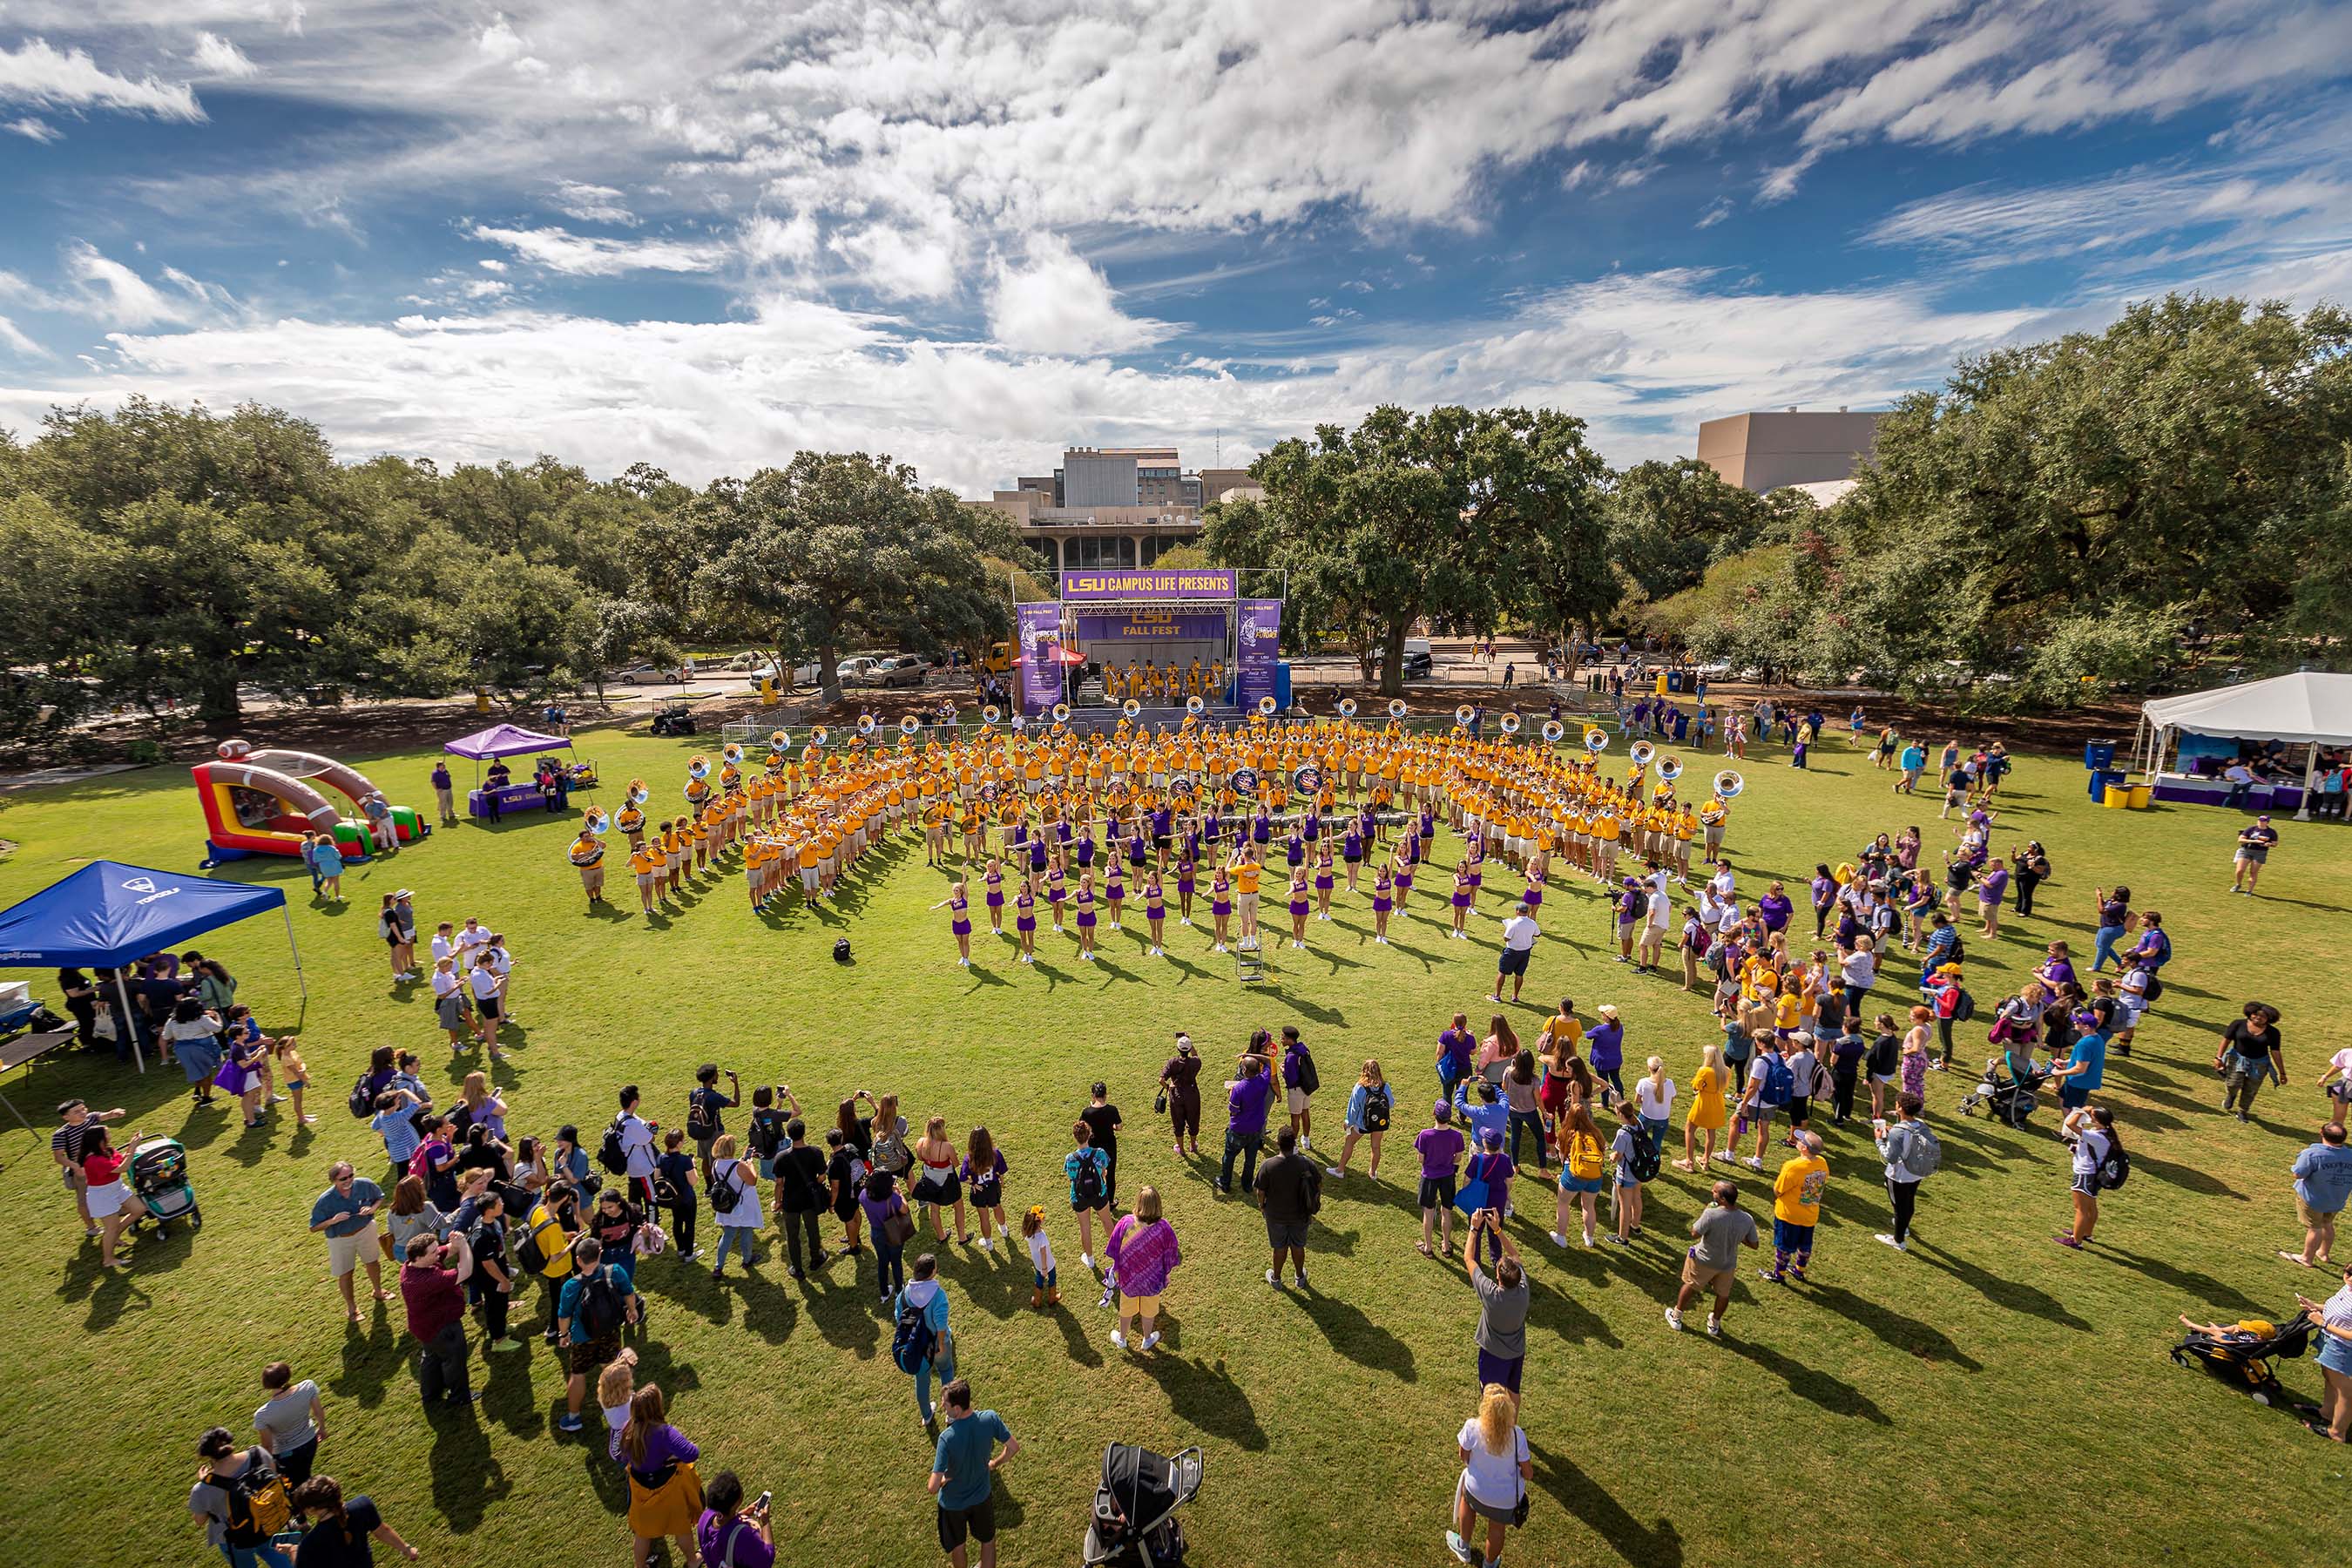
[1669,771]
[1130,708]
[1642,753]
[1728,784]
[1347,707]
[1510,724]
[1596,739]
[1396,707]
[1553,729]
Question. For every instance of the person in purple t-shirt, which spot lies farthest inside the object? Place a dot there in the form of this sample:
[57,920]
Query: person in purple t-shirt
[729,1532]
[1454,1048]
[1246,1098]
[1775,908]
[1440,1148]
[1992,888]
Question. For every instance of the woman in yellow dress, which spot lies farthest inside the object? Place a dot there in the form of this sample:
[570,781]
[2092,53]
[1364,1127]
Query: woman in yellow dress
[1706,1111]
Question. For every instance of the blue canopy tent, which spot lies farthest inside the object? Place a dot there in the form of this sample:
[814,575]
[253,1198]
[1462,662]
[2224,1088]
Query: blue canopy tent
[109,915]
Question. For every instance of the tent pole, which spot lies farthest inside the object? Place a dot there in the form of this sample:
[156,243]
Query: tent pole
[293,946]
[2310,779]
[129,1020]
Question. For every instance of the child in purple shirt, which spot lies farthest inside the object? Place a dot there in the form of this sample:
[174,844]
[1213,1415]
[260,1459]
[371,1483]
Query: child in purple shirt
[1440,1148]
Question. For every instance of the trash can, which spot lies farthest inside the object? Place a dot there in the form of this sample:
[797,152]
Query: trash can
[2141,794]
[2099,756]
[1674,680]
[2102,781]
[2118,798]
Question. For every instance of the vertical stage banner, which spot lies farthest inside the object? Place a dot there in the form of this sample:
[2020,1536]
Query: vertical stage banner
[1041,645]
[1258,651]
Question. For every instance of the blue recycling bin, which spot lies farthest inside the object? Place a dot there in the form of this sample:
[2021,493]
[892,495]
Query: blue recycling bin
[1673,680]
[2102,779]
[2098,756]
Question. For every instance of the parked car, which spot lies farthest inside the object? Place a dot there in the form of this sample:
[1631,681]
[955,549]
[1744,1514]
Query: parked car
[857,670]
[645,673]
[1418,663]
[906,671]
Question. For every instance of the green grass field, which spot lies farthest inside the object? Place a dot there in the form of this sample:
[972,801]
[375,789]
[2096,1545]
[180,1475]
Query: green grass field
[1991,1398]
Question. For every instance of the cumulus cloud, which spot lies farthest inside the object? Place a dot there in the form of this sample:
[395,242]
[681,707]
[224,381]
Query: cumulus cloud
[1056,302]
[34,73]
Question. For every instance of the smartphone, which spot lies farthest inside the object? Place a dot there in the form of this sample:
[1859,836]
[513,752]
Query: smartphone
[760,1504]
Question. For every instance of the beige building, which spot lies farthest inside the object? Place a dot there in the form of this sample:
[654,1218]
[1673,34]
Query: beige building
[1762,452]
[1083,538]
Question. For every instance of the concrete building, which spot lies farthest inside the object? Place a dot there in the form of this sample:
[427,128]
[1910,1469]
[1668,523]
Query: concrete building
[1091,478]
[1762,452]
[1215,482]
[1076,538]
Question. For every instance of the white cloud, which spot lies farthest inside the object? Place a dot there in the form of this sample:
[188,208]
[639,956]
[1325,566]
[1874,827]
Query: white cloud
[1056,302]
[215,55]
[491,264]
[592,203]
[1716,211]
[900,263]
[775,241]
[46,77]
[13,339]
[591,256]
[113,293]
[34,129]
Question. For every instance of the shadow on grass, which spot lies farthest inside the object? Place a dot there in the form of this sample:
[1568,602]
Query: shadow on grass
[1203,1394]
[2188,1176]
[1356,1336]
[1654,1546]
[1831,1394]
[466,1477]
[2198,1287]
[1905,1333]
[2010,1295]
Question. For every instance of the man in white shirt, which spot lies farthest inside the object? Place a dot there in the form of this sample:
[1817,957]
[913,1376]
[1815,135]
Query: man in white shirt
[487,987]
[470,942]
[499,960]
[638,1144]
[1654,929]
[1725,886]
[1519,934]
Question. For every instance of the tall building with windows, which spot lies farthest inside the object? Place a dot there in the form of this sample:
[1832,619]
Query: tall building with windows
[1107,507]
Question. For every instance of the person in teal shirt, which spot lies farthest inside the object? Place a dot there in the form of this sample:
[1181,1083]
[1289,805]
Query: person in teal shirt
[963,1474]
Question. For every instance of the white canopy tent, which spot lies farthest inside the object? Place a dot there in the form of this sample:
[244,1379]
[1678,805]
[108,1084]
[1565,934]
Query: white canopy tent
[2308,709]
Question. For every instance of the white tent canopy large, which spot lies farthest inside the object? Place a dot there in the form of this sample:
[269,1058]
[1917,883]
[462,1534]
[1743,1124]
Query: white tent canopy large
[2309,709]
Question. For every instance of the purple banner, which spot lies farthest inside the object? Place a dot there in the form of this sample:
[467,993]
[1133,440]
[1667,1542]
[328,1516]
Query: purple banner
[1174,583]
[1133,626]
[1259,652]
[1041,640]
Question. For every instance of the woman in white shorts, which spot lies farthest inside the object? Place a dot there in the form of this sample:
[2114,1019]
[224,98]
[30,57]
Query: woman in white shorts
[1496,1467]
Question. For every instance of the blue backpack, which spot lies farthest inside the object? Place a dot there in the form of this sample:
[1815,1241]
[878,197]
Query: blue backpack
[912,1341]
[1779,1083]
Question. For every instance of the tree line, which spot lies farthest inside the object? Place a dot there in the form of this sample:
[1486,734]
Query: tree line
[2057,517]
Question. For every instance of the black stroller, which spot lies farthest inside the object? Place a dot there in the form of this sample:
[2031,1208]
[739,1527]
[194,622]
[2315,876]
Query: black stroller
[1134,1524]
[2241,1355]
[2004,1097]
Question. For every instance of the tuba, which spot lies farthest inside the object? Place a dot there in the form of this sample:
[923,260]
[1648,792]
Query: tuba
[1669,771]
[1642,753]
[910,725]
[1266,705]
[1510,724]
[1061,711]
[1130,708]
[1195,707]
[1553,729]
[1596,739]
[1728,784]
[1396,707]
[991,714]
[1347,707]
[1464,714]
[817,735]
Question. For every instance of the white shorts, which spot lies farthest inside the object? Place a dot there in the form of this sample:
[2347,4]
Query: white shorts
[809,878]
[111,1199]
[345,1253]
[1297,1101]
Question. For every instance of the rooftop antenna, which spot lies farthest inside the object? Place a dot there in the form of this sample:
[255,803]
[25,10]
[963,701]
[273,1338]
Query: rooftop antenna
[1221,449]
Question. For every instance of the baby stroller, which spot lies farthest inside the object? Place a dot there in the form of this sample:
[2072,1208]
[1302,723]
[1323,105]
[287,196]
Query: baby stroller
[1134,1524]
[159,1174]
[2241,1355]
[2007,1099]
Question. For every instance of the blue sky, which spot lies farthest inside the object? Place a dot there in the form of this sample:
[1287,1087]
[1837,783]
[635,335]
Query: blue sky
[966,234]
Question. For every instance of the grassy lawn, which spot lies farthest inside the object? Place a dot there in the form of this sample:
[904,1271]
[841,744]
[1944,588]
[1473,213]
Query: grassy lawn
[1992,1394]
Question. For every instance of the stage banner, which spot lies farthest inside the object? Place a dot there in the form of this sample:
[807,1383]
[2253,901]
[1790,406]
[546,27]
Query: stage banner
[1162,626]
[1260,646]
[1174,583]
[1041,640]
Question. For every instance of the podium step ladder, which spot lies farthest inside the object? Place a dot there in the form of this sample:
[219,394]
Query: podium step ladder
[1249,961]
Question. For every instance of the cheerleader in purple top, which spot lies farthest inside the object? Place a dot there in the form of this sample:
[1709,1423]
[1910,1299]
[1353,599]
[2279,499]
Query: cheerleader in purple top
[1463,892]
[1025,920]
[1061,832]
[1057,890]
[1085,905]
[1300,906]
[1085,848]
[1155,909]
[1381,885]
[1428,825]
[1114,892]
[1404,865]
[1037,856]
[1136,848]
[1221,904]
[1262,830]
[1533,898]
[1474,860]
[1294,848]
[1313,825]
[958,904]
[1351,850]
[1323,881]
[1186,868]
[995,883]
[1209,828]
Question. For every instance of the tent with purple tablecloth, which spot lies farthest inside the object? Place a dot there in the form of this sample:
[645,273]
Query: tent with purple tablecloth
[2310,708]
[504,740]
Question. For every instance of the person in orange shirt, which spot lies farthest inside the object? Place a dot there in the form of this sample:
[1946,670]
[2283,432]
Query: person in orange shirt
[643,864]
[587,854]
[1245,877]
[674,853]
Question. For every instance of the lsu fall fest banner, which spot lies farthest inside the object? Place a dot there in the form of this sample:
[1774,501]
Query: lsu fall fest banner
[1171,583]
[1259,650]
[1097,628]
[1041,640]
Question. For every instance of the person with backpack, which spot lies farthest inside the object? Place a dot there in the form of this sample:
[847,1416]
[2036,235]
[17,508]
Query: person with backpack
[1797,1192]
[1582,1155]
[844,1175]
[628,1148]
[1102,1116]
[431,1288]
[733,1189]
[1770,1087]
[1635,1151]
[674,1180]
[342,1530]
[2099,1163]
[766,1134]
[1370,1106]
[729,1534]
[893,1227]
[241,1499]
[1087,1169]
[1299,1082]
[595,1304]
[920,1343]
[1912,1154]
[1289,1193]
[704,1102]
[801,1195]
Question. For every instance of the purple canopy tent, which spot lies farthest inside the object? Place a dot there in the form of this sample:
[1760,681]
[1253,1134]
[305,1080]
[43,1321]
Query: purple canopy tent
[503,740]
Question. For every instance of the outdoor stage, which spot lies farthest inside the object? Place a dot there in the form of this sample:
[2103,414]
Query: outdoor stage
[1174,618]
